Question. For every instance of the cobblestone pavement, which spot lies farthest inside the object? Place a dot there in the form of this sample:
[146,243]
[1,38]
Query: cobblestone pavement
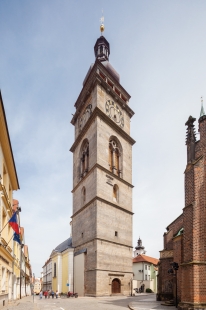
[148,302]
[140,302]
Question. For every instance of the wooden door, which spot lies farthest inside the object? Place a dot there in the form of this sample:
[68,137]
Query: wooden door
[116,286]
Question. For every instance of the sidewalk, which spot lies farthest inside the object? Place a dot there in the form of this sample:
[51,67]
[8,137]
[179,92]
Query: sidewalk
[26,303]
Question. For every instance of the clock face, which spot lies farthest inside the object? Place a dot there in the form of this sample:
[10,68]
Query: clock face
[114,112]
[84,118]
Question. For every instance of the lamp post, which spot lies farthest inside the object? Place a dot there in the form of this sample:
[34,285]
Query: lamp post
[173,271]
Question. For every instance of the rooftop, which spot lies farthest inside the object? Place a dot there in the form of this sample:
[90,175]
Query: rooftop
[145,258]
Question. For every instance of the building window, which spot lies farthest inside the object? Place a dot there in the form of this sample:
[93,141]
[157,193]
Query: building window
[116,234]
[84,158]
[115,193]
[83,195]
[149,277]
[145,277]
[148,267]
[55,270]
[145,267]
[115,157]
[3,280]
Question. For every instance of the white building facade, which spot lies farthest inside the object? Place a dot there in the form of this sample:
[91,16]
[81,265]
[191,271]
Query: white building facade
[47,275]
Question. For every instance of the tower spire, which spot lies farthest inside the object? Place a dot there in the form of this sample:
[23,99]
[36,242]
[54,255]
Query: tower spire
[102,23]
[202,111]
[101,48]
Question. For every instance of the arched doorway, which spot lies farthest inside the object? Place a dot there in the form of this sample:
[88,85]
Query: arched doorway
[116,286]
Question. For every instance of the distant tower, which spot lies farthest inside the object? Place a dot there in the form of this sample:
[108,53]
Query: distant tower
[102,181]
[139,249]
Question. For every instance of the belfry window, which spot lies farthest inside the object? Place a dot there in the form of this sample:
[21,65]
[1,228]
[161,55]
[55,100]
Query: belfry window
[84,161]
[115,158]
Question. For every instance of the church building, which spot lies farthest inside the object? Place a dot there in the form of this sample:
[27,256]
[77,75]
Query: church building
[182,267]
[102,181]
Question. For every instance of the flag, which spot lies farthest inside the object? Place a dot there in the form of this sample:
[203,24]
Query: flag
[13,223]
[17,238]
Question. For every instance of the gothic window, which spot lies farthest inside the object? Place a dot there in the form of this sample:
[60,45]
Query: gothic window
[115,157]
[84,159]
[115,193]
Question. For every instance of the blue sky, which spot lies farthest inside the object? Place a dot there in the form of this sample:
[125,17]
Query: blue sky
[157,47]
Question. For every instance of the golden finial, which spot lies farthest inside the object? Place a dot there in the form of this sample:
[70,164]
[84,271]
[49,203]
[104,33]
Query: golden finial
[102,23]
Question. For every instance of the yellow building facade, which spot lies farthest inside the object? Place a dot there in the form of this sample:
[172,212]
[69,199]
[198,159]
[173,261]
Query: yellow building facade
[8,183]
[13,283]
[62,267]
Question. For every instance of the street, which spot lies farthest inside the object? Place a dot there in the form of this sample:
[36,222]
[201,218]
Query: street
[140,302]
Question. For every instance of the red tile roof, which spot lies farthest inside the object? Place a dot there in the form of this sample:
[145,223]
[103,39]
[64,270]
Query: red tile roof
[145,258]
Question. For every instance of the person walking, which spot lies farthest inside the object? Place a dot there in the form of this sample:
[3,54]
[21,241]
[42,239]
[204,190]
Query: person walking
[52,293]
[57,294]
[45,294]
[40,295]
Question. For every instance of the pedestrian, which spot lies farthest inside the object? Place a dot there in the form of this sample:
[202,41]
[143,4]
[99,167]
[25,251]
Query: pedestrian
[45,294]
[57,294]
[52,293]
[40,295]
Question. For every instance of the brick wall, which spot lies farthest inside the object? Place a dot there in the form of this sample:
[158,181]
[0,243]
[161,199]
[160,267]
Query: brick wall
[188,249]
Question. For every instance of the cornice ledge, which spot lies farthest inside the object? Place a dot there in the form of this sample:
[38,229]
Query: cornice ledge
[176,238]
[106,171]
[190,165]
[189,205]
[89,82]
[104,240]
[97,80]
[104,201]
[194,262]
[118,243]
[114,271]
[95,113]
[86,86]
[198,159]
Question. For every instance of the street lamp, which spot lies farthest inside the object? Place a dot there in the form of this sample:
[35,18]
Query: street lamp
[173,271]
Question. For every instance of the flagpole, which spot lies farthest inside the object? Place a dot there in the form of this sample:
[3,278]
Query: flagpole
[4,226]
[10,240]
[7,223]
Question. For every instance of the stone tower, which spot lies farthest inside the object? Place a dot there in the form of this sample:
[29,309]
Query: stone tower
[102,182]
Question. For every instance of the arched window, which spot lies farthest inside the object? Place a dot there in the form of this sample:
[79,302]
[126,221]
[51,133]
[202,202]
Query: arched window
[115,157]
[84,158]
[83,195]
[115,193]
